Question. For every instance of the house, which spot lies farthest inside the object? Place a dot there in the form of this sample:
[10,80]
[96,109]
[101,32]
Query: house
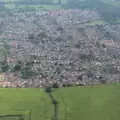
[6,80]
[2,76]
[108,42]
[13,44]
[6,84]
[10,60]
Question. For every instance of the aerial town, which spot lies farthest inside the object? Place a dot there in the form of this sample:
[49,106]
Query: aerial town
[63,47]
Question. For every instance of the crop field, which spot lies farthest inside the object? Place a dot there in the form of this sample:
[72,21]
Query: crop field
[77,103]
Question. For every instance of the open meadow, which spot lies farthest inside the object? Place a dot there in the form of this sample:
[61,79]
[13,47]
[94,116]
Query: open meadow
[76,103]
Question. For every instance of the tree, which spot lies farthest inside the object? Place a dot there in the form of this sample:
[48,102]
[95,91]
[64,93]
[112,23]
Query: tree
[55,85]
[102,80]
[59,2]
[26,71]
[73,4]
[48,89]
[17,67]
[4,66]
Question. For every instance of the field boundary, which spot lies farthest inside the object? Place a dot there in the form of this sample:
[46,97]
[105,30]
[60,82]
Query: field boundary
[21,115]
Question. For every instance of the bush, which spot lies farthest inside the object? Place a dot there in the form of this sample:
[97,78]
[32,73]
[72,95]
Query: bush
[4,66]
[103,81]
[48,89]
[17,67]
[55,85]
[26,73]
[54,102]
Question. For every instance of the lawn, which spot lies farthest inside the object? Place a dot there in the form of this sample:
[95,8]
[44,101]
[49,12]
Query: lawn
[96,22]
[77,103]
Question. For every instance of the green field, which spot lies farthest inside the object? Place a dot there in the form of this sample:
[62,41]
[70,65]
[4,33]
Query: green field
[96,22]
[77,103]
[11,4]
[21,101]
[37,7]
[54,1]
[113,3]
[32,7]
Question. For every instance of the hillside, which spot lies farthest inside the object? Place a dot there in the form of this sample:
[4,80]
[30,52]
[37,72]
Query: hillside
[68,44]
[63,46]
[86,103]
[108,9]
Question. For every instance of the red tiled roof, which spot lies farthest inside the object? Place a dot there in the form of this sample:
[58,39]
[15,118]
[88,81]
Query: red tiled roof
[109,42]
[6,83]
[13,43]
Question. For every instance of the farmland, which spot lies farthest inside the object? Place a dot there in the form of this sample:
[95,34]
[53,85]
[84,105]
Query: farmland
[86,103]
[21,101]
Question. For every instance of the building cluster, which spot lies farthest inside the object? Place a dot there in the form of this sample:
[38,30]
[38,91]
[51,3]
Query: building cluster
[70,16]
[62,48]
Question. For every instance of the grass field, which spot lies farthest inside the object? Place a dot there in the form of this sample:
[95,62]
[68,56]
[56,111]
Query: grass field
[54,1]
[96,22]
[113,3]
[41,7]
[32,7]
[77,103]
[10,4]
[21,101]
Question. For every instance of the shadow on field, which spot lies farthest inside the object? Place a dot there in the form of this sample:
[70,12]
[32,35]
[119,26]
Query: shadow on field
[54,102]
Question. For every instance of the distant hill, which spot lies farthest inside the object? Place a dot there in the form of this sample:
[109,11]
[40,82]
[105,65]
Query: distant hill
[109,9]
